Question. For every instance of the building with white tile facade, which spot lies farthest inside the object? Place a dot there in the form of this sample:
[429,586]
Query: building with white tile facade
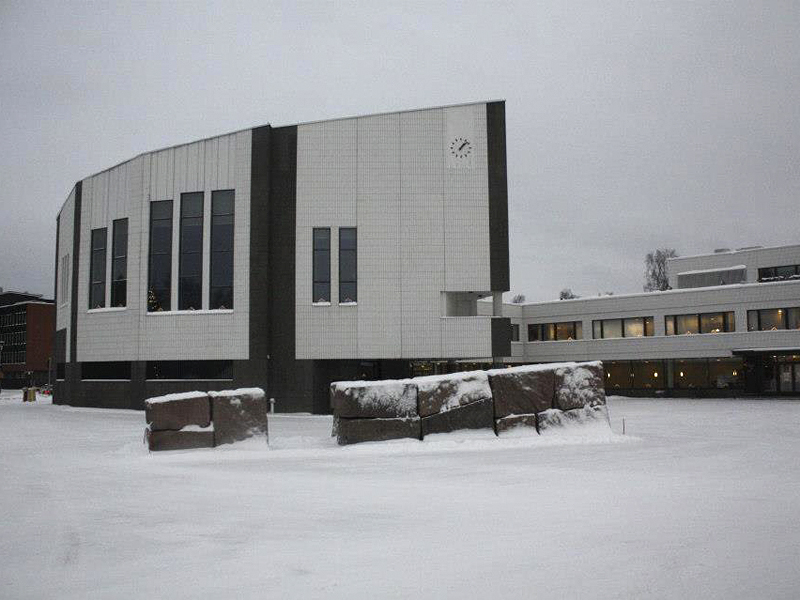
[730,326]
[285,258]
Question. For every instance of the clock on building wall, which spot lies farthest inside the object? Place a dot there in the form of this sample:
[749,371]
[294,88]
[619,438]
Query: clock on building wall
[460,148]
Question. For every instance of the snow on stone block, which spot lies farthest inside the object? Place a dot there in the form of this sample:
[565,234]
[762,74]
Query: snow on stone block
[175,411]
[374,399]
[180,440]
[522,391]
[477,415]
[354,431]
[239,415]
[579,385]
[554,420]
[440,393]
[515,423]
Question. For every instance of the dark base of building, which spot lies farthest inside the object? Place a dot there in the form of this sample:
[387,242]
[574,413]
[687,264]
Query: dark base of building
[298,386]
[16,380]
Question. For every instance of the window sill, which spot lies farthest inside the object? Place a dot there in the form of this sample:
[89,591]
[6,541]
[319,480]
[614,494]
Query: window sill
[348,303]
[320,304]
[215,311]
[106,309]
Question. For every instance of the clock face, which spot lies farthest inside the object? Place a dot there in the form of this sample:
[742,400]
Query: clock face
[460,147]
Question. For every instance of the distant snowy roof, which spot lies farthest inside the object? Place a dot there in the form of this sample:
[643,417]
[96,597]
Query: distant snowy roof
[718,269]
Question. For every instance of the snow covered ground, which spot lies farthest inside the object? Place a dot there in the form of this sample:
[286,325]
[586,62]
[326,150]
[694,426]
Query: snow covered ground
[700,500]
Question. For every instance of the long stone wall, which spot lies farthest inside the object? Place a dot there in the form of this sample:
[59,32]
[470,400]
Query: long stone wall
[538,398]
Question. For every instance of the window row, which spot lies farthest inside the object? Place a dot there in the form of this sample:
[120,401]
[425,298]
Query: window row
[779,273]
[190,253]
[13,358]
[552,332]
[11,319]
[321,267]
[14,338]
[691,324]
[700,373]
[623,328]
[160,369]
[772,319]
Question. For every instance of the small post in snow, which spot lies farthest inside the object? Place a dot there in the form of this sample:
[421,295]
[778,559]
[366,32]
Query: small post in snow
[623,425]
[272,406]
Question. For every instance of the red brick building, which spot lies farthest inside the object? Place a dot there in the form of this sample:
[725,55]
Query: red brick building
[27,323]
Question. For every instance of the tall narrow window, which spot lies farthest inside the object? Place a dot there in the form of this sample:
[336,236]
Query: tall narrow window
[348,265]
[221,281]
[119,263]
[190,266]
[321,288]
[159,283]
[97,269]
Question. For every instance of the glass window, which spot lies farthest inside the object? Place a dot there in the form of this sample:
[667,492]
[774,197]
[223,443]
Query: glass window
[690,374]
[97,269]
[321,283]
[687,324]
[785,272]
[119,263]
[565,330]
[159,278]
[348,264]
[618,374]
[726,373]
[221,280]
[106,370]
[578,330]
[549,332]
[752,320]
[793,318]
[612,328]
[597,330]
[771,319]
[514,332]
[648,374]
[190,264]
[634,327]
[189,369]
[534,333]
[712,323]
[649,326]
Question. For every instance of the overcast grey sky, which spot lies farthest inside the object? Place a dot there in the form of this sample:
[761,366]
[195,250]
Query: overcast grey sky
[630,125]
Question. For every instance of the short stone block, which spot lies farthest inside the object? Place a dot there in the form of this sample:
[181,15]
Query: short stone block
[478,415]
[580,385]
[180,440]
[522,390]
[374,399]
[439,393]
[555,419]
[239,415]
[509,423]
[175,411]
[354,431]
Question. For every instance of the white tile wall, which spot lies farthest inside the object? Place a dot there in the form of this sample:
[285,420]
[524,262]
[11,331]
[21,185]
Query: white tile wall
[423,228]
[754,259]
[125,192]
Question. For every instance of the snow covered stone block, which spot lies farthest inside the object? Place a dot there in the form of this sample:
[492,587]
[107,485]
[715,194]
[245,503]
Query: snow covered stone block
[239,415]
[188,438]
[374,399]
[516,421]
[522,390]
[175,411]
[580,384]
[440,393]
[555,419]
[354,431]
[477,415]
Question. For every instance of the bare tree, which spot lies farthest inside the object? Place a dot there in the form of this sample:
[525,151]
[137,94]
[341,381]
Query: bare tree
[655,269]
[518,299]
[566,294]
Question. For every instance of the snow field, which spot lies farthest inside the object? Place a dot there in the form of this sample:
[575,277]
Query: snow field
[699,500]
